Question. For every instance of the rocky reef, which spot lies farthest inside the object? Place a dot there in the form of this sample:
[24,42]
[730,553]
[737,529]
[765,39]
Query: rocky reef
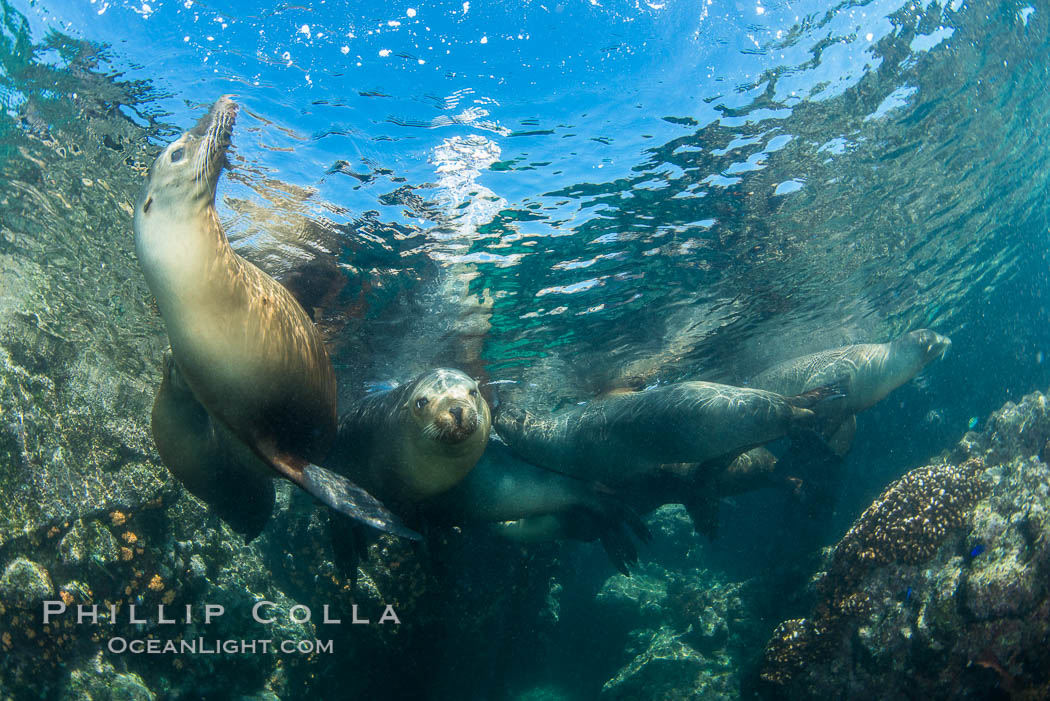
[941,589]
[686,629]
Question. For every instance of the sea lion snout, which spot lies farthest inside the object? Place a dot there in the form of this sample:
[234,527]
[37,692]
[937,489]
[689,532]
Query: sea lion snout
[457,414]
[457,423]
[182,180]
[933,344]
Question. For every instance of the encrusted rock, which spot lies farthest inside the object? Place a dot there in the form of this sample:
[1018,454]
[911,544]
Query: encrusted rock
[100,681]
[25,583]
[937,595]
[667,668]
[640,596]
[905,525]
[88,541]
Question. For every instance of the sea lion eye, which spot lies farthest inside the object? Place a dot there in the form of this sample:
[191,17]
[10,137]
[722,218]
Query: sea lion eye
[473,393]
[176,155]
[422,402]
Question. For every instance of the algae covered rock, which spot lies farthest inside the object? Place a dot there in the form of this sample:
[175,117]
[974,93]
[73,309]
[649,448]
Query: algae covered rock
[636,598]
[88,541]
[666,668]
[25,583]
[957,607]
[691,631]
[100,681]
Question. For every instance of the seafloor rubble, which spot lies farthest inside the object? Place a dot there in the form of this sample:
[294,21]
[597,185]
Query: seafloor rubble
[687,631]
[940,588]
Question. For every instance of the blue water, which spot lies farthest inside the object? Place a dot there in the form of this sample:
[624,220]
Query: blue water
[562,197]
[659,189]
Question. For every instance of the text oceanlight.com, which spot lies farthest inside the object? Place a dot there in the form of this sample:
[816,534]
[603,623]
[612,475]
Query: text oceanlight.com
[264,612]
[200,646]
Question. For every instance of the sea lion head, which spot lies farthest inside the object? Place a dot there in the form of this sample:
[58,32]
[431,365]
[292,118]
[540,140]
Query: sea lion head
[448,408]
[927,345]
[181,181]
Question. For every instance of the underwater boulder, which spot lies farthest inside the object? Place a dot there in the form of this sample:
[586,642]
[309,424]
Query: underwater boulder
[942,587]
[25,583]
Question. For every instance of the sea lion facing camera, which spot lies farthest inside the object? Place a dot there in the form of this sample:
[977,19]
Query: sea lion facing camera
[417,440]
[244,347]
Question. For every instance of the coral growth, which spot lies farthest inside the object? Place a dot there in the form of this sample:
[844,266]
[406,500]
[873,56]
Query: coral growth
[937,594]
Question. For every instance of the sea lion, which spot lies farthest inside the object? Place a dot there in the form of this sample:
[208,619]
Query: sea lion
[867,372]
[531,504]
[211,462]
[618,437]
[243,346]
[417,440]
[698,487]
[527,504]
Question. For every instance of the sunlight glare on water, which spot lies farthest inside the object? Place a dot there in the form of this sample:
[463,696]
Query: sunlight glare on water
[628,188]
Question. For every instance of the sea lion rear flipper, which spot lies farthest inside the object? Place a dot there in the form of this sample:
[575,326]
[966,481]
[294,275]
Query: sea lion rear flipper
[841,440]
[702,508]
[350,540]
[608,527]
[619,548]
[610,520]
[347,498]
[205,459]
[636,524]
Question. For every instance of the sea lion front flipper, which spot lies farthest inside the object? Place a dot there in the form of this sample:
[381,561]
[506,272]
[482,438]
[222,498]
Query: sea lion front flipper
[347,498]
[824,395]
[821,409]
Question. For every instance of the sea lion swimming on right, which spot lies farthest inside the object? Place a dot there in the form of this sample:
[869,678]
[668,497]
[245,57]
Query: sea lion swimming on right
[867,373]
[622,436]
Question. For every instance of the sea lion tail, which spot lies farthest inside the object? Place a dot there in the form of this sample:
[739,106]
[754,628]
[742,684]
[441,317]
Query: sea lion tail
[347,498]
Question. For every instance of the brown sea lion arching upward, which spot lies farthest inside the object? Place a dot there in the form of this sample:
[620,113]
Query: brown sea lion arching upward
[242,344]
